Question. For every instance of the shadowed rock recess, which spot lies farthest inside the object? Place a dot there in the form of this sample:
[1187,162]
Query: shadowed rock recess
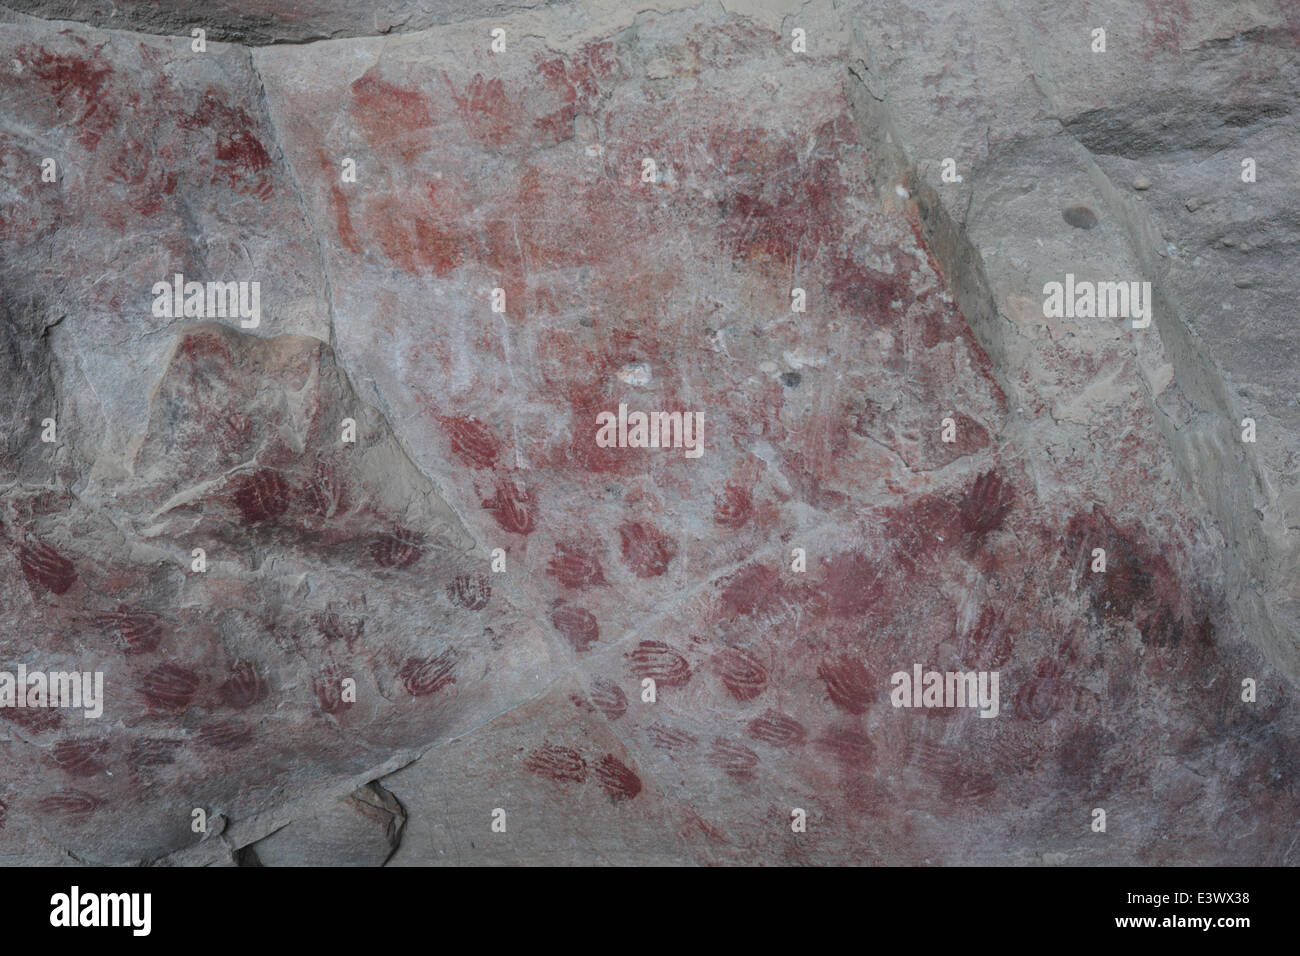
[370,578]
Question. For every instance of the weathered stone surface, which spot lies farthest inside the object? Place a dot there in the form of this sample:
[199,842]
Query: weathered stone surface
[165,163]
[1183,93]
[498,585]
[257,22]
[362,830]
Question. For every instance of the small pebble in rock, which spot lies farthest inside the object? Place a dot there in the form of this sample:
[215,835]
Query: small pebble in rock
[1141,184]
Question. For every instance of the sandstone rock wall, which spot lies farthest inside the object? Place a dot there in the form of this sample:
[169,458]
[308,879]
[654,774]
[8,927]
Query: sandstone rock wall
[429,597]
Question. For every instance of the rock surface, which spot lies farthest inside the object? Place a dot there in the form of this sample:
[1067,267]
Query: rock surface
[361,830]
[430,644]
